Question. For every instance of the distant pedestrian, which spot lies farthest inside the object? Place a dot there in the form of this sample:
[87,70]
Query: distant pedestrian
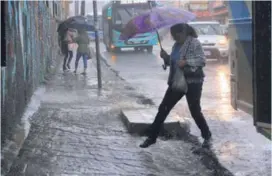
[63,47]
[68,55]
[83,49]
[187,52]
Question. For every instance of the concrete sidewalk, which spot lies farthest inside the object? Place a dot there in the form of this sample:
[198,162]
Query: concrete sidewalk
[78,131]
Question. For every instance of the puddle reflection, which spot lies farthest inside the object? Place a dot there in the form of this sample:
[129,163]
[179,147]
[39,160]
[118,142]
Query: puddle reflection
[224,83]
[113,59]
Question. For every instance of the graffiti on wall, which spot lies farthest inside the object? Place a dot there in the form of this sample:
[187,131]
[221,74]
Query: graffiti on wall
[31,51]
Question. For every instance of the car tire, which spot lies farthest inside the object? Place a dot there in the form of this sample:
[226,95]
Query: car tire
[150,49]
[116,50]
[220,60]
[136,49]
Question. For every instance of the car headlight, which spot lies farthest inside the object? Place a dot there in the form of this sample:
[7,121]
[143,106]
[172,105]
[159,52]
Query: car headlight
[222,42]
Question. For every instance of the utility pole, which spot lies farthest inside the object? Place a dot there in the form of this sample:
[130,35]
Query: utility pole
[82,8]
[76,7]
[97,45]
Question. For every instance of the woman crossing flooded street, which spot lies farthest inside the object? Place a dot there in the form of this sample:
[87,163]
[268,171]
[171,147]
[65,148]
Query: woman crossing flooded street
[188,54]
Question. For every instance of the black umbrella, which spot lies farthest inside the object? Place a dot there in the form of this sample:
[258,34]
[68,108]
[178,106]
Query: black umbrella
[76,22]
[81,25]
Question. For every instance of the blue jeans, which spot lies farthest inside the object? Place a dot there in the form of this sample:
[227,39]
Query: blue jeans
[85,59]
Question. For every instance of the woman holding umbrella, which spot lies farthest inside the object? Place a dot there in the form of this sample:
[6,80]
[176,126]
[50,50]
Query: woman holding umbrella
[81,24]
[187,58]
[188,54]
[69,45]
[83,49]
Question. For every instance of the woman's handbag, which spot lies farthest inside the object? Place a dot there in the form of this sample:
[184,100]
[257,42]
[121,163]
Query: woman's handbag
[91,53]
[195,72]
[192,72]
[179,82]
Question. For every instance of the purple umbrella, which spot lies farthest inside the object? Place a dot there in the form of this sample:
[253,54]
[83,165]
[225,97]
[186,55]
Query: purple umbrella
[157,18]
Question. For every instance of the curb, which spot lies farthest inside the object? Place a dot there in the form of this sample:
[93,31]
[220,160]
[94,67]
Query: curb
[174,127]
[183,127]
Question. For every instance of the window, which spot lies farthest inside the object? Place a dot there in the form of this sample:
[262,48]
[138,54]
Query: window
[124,14]
[55,9]
[207,29]
[47,3]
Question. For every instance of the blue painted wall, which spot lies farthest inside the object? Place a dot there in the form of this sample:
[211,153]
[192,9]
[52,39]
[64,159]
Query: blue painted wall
[240,37]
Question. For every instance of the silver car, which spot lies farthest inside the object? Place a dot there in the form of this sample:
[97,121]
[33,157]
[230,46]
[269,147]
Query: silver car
[215,43]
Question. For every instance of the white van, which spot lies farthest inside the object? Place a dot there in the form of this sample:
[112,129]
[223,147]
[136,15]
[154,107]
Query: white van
[212,38]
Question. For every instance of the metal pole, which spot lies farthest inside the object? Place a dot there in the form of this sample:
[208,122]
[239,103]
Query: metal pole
[97,45]
[82,8]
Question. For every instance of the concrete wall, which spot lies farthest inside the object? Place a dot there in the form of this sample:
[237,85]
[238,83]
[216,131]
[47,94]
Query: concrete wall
[31,54]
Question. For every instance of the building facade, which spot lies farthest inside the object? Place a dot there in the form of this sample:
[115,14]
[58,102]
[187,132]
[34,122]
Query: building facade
[220,11]
[201,9]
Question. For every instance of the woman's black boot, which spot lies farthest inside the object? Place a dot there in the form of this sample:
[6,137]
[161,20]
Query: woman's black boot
[149,141]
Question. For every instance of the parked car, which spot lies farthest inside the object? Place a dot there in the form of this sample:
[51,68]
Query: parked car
[215,43]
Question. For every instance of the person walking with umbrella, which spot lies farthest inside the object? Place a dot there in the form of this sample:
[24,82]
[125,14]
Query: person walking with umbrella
[83,49]
[81,24]
[68,55]
[64,47]
[186,63]
[188,54]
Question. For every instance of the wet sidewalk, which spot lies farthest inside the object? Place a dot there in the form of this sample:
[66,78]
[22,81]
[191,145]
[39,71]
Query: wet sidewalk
[235,140]
[77,131]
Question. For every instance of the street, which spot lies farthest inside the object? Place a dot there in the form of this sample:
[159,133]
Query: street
[236,142]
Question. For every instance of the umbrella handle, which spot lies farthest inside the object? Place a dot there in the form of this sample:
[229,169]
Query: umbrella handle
[159,39]
[158,36]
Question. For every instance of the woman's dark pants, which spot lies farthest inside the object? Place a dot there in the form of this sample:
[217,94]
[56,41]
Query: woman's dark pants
[84,57]
[68,55]
[171,97]
[67,60]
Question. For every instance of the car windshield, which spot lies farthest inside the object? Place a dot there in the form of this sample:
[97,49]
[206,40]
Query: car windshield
[207,29]
[124,14]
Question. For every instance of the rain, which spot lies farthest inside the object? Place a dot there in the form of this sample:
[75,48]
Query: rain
[85,84]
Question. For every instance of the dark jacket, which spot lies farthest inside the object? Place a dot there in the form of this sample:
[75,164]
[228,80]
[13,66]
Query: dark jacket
[83,43]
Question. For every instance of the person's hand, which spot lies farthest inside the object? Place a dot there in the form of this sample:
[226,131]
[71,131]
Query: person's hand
[163,54]
[182,63]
